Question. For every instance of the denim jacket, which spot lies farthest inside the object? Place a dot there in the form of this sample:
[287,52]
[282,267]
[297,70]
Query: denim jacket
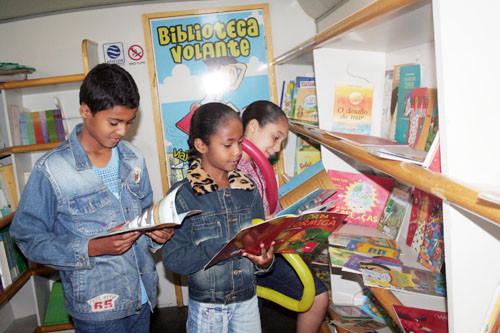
[63,205]
[224,212]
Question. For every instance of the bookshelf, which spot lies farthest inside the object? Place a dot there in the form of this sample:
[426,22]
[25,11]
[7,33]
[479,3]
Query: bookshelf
[375,38]
[36,94]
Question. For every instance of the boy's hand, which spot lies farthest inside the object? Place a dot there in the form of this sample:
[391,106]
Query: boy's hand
[112,245]
[162,235]
[265,259]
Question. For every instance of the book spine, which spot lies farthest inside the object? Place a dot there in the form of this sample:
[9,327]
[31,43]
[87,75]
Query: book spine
[24,129]
[37,127]
[4,266]
[30,128]
[59,125]
[45,129]
[51,125]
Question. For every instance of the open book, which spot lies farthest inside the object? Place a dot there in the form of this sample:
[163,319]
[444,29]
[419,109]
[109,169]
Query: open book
[161,215]
[292,234]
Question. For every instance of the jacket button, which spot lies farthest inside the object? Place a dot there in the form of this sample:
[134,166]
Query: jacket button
[237,271]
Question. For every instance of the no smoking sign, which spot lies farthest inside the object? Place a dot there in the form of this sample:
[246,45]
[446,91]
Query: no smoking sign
[135,52]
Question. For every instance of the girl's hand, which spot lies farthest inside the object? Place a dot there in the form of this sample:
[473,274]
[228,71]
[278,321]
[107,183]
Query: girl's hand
[113,245]
[162,235]
[265,259]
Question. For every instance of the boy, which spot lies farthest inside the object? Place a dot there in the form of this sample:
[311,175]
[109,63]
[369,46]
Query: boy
[90,183]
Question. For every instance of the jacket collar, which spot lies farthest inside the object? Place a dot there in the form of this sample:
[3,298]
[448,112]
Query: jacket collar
[82,160]
[202,183]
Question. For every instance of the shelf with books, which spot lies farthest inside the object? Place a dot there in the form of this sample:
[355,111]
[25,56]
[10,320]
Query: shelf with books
[412,174]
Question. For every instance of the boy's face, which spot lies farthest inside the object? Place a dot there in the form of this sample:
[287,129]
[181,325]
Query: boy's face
[106,128]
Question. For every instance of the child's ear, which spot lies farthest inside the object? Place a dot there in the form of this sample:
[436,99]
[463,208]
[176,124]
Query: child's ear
[253,126]
[85,111]
[200,146]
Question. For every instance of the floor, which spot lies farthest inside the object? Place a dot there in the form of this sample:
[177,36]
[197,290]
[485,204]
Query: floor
[173,319]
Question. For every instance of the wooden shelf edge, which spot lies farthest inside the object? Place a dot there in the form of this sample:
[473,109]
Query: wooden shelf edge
[55,328]
[15,286]
[5,221]
[29,148]
[43,81]
[434,183]
[362,16]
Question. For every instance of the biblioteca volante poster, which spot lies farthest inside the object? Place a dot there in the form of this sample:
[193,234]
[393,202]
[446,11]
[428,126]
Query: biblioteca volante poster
[198,57]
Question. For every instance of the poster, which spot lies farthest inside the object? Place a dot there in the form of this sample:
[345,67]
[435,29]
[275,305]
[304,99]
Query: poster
[203,56]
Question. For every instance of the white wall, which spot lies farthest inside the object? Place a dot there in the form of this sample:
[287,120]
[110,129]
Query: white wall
[52,45]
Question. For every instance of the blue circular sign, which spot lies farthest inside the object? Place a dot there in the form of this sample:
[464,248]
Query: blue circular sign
[113,52]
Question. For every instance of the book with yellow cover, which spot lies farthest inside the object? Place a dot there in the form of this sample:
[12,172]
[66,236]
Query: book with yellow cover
[353,108]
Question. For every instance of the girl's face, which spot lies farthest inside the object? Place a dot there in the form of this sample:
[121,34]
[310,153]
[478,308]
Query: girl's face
[224,149]
[269,137]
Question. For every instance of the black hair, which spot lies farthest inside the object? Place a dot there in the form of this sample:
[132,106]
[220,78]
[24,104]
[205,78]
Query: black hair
[108,85]
[264,112]
[205,122]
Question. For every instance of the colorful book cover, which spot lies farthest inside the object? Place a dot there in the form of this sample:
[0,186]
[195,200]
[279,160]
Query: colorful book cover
[409,78]
[432,251]
[359,325]
[395,210]
[373,250]
[360,196]
[423,102]
[313,200]
[301,82]
[337,239]
[4,266]
[45,129]
[287,106]
[421,208]
[9,185]
[51,125]
[61,136]
[292,234]
[418,238]
[352,265]
[402,278]
[421,320]
[306,108]
[373,307]
[306,155]
[433,159]
[353,108]
[433,127]
[5,208]
[37,127]
[30,129]
[339,256]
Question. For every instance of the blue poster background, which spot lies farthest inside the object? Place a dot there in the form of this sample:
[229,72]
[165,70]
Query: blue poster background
[183,84]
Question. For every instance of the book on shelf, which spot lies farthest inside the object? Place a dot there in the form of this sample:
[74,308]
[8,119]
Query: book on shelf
[51,126]
[421,320]
[161,215]
[431,253]
[386,104]
[355,319]
[353,263]
[433,158]
[491,321]
[363,140]
[339,256]
[4,266]
[301,82]
[403,153]
[301,234]
[287,101]
[30,129]
[58,120]
[340,239]
[306,106]
[394,101]
[312,201]
[373,307]
[37,127]
[306,154]
[403,278]
[360,196]
[409,78]
[423,103]
[353,108]
[298,187]
[8,183]
[373,249]
[24,130]
[14,112]
[12,262]
[395,210]
[422,206]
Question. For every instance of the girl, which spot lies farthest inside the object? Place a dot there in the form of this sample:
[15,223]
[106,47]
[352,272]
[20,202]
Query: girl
[223,297]
[266,126]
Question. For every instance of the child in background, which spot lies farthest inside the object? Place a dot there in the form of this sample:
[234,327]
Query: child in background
[90,183]
[266,126]
[223,297]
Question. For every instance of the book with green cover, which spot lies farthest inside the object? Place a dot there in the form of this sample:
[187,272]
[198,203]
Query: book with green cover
[51,125]
[30,128]
[56,311]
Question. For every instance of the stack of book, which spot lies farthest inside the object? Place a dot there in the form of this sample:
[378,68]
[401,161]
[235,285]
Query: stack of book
[36,127]
[12,263]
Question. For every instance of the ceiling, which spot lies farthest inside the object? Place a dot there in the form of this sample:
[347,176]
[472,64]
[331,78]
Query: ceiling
[11,10]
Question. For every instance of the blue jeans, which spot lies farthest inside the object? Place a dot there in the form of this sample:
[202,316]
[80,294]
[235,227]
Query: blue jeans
[242,317]
[138,323]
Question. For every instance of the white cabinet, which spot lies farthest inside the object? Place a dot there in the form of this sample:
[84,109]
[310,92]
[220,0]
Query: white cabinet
[453,43]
